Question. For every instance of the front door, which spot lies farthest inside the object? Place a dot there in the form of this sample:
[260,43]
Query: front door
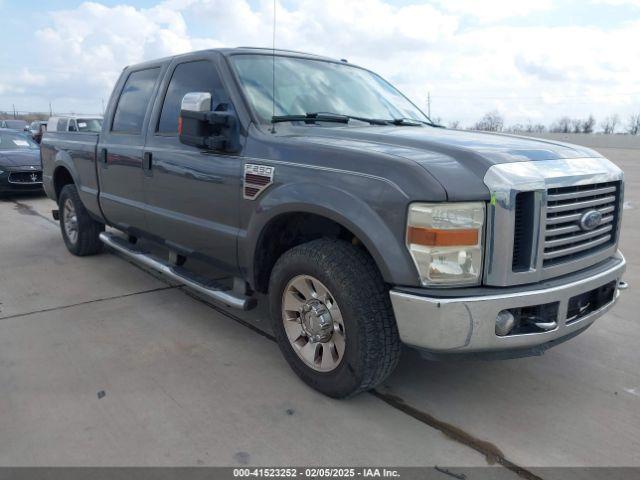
[192,195]
[120,152]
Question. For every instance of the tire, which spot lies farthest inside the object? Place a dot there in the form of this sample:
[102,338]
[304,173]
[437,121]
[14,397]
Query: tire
[84,239]
[359,309]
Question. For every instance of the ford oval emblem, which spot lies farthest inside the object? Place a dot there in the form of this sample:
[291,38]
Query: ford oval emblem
[590,220]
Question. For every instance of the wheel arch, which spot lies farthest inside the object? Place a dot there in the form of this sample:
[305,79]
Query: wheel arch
[62,176]
[329,212]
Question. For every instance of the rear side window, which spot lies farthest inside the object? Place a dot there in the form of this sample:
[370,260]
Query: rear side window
[134,100]
[200,76]
[62,125]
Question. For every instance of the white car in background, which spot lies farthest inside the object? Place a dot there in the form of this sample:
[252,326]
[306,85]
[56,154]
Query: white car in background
[82,124]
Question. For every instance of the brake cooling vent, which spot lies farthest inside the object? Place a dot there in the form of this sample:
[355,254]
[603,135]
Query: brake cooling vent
[256,179]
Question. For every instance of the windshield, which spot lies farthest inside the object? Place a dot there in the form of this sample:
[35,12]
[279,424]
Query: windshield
[15,124]
[90,125]
[13,141]
[311,86]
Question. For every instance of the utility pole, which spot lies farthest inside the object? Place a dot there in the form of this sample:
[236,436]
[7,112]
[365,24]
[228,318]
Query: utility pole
[429,104]
[14,111]
[50,110]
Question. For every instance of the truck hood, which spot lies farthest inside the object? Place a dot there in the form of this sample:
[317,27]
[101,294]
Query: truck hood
[20,158]
[457,159]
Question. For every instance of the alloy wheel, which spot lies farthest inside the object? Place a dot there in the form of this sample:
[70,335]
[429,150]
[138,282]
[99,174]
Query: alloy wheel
[313,323]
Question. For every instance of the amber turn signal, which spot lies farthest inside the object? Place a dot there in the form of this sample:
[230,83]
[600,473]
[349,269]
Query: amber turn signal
[432,237]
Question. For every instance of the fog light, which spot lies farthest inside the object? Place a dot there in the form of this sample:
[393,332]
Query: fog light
[505,321]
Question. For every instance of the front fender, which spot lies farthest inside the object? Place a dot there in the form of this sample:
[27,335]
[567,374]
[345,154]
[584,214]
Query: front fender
[379,222]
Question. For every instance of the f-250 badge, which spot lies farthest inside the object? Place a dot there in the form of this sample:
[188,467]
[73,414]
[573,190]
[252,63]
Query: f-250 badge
[256,179]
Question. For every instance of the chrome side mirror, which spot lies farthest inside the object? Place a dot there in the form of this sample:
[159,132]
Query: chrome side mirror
[196,102]
[202,126]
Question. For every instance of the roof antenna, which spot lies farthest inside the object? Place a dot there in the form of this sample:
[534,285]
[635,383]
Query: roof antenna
[273,85]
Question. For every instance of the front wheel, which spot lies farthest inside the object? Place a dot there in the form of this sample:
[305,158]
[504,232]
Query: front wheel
[79,231]
[332,317]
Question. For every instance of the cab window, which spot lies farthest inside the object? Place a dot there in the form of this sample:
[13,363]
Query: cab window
[134,100]
[198,76]
[62,125]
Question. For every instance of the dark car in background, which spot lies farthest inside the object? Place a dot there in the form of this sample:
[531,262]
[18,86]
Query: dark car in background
[37,129]
[19,125]
[20,166]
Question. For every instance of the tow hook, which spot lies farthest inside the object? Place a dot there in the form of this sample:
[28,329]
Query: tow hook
[55,214]
[622,285]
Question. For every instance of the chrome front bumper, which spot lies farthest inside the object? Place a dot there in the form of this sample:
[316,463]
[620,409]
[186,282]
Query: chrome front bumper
[461,325]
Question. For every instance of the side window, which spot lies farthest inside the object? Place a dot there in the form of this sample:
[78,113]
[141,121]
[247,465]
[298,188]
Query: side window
[200,76]
[62,125]
[133,101]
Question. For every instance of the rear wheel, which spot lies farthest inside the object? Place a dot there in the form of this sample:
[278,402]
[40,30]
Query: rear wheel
[79,231]
[332,317]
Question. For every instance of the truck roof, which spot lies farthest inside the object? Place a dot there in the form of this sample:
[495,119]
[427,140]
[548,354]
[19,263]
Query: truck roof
[241,50]
[84,117]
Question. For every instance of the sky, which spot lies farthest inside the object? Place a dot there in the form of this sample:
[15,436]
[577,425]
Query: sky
[531,60]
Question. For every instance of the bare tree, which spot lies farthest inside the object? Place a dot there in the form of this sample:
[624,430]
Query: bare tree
[576,125]
[562,125]
[455,124]
[633,127]
[491,122]
[610,123]
[588,124]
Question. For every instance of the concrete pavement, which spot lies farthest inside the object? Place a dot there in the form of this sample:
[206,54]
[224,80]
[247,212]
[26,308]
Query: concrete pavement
[183,383]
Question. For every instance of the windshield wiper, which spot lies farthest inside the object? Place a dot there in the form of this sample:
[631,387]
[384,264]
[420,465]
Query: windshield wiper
[326,117]
[413,122]
[310,118]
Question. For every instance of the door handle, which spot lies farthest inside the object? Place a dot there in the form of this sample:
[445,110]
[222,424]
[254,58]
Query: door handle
[102,158]
[147,160]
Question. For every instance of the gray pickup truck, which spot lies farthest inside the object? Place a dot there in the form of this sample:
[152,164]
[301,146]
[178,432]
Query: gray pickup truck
[317,183]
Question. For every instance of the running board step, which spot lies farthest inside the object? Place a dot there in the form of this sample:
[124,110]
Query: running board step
[207,287]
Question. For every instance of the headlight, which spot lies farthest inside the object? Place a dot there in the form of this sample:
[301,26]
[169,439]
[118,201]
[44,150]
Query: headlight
[445,242]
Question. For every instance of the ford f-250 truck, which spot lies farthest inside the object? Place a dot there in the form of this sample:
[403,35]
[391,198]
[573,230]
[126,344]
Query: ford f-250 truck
[318,183]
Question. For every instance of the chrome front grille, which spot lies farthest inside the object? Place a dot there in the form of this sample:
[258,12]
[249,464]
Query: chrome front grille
[536,223]
[565,239]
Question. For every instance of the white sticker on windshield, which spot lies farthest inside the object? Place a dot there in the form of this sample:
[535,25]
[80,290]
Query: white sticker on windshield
[82,124]
[21,143]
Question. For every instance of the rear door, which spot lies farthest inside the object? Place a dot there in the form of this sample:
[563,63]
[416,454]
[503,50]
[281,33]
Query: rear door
[193,196]
[121,148]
